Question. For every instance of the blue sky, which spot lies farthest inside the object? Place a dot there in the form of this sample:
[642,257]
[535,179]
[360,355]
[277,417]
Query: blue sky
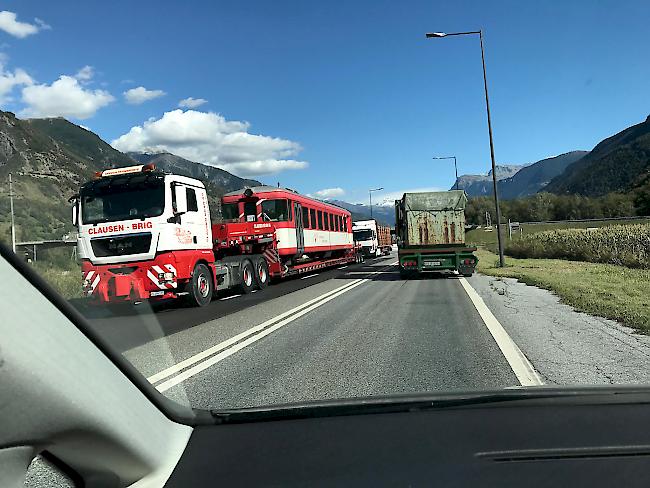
[345,95]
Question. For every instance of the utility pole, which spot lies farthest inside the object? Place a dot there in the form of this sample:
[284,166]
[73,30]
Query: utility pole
[13,224]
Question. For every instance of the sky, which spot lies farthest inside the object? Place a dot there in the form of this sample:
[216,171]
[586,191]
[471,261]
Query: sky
[332,98]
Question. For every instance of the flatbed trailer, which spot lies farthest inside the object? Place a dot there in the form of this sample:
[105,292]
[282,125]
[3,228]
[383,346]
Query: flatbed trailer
[147,235]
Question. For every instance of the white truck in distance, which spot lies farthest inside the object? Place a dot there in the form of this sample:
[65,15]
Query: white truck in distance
[373,237]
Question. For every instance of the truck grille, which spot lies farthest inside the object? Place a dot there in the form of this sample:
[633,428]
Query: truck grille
[121,245]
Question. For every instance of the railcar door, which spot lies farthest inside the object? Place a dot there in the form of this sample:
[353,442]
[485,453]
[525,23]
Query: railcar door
[300,235]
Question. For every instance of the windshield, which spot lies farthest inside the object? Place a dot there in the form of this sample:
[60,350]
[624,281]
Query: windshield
[362,234]
[275,210]
[122,202]
[496,246]
[230,211]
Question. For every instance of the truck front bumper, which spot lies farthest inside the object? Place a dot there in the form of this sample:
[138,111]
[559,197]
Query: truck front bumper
[129,282]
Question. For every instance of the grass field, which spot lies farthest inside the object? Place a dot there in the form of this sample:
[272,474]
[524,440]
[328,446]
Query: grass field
[605,290]
[488,239]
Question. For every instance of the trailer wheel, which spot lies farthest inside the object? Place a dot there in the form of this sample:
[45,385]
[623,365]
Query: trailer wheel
[248,283]
[261,273]
[200,286]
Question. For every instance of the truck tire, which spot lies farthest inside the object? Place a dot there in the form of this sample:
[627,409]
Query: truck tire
[247,277]
[261,273]
[200,286]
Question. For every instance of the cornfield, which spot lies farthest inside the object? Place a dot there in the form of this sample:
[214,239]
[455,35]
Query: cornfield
[626,245]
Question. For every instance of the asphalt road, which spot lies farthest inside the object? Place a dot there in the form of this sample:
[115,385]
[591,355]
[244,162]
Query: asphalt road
[354,331]
[125,327]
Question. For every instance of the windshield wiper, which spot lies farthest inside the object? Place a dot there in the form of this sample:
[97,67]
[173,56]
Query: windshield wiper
[421,403]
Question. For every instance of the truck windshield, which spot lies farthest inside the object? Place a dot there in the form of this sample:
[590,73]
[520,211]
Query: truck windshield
[109,203]
[362,234]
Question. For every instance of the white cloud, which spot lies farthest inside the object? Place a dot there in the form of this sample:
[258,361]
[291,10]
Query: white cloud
[85,74]
[136,96]
[327,193]
[14,27]
[209,138]
[191,102]
[9,80]
[66,97]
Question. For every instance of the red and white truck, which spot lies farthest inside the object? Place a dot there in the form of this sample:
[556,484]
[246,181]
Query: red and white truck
[145,234]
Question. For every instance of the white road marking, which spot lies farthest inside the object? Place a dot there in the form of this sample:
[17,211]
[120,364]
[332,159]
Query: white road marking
[343,267]
[517,360]
[368,272]
[228,298]
[254,291]
[229,342]
[309,276]
[188,373]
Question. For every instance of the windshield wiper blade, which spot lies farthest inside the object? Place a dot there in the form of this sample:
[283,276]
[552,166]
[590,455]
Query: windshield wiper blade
[369,406]
[421,403]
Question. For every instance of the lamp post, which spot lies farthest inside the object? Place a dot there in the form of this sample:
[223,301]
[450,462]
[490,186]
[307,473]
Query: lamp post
[13,225]
[370,194]
[455,166]
[434,35]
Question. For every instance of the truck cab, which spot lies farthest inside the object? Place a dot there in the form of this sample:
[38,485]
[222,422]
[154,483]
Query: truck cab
[365,235]
[141,232]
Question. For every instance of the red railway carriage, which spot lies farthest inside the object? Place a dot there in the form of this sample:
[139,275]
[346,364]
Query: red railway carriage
[303,227]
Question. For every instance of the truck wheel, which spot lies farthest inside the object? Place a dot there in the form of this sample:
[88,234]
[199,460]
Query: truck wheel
[200,286]
[247,277]
[261,273]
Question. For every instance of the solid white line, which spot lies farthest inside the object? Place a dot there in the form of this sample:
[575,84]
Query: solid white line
[188,373]
[228,298]
[309,276]
[343,267]
[229,342]
[517,360]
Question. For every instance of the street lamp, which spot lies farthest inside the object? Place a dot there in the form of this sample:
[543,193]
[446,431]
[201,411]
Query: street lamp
[455,165]
[370,194]
[487,106]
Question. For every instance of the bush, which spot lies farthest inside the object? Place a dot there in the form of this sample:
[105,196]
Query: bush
[627,245]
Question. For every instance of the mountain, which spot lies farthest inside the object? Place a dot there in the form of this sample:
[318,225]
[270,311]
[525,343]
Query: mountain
[175,164]
[481,185]
[383,214]
[217,181]
[530,179]
[619,163]
[50,158]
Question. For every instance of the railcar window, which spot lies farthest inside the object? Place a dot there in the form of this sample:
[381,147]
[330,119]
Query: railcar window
[305,218]
[320,220]
[312,218]
[326,220]
[275,210]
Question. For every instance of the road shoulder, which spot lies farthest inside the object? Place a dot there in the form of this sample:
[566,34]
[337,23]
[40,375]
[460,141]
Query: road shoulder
[566,347]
